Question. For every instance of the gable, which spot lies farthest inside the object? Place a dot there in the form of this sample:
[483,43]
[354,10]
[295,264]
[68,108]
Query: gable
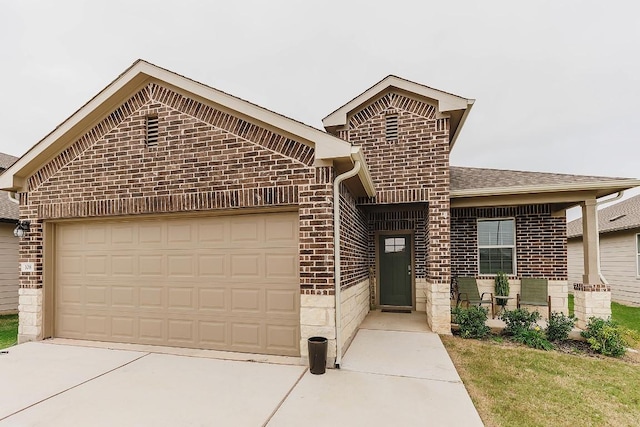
[390,103]
[252,122]
[175,110]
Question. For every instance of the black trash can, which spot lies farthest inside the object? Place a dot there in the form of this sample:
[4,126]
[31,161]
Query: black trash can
[317,355]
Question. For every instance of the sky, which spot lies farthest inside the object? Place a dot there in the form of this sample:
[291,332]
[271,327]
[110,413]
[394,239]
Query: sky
[556,82]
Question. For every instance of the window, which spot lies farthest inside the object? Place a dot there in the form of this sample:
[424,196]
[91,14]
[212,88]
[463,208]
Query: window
[152,131]
[394,244]
[391,128]
[638,253]
[497,246]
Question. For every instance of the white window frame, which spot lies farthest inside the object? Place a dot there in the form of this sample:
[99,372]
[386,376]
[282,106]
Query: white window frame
[512,247]
[637,252]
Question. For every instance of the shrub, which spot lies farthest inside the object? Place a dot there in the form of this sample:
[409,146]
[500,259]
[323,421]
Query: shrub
[533,338]
[502,287]
[471,321]
[559,326]
[519,320]
[604,337]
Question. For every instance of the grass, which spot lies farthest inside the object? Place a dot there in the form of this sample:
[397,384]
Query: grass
[626,316]
[513,385]
[8,330]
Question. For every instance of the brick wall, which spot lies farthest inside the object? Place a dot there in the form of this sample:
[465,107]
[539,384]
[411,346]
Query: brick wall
[541,249]
[354,241]
[412,168]
[205,160]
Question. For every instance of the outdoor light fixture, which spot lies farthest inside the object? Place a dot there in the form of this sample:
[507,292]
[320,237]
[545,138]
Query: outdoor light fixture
[21,229]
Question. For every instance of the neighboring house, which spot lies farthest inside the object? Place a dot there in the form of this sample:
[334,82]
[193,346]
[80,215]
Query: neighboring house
[619,227]
[8,246]
[168,212]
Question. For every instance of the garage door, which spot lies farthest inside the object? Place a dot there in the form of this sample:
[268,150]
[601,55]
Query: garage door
[223,283]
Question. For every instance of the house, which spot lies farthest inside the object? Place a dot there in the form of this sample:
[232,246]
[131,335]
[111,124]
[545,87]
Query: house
[168,212]
[8,246]
[619,227]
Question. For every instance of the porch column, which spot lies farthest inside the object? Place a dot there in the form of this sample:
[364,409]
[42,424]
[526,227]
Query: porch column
[590,242]
[591,298]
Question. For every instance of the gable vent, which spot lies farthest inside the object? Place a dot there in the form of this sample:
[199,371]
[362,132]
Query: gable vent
[391,128]
[152,131]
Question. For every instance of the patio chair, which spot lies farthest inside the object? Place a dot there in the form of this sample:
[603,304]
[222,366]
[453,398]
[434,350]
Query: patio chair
[468,292]
[534,292]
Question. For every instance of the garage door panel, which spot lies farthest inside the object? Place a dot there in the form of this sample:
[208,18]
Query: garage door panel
[214,266]
[223,283]
[152,297]
[123,297]
[212,299]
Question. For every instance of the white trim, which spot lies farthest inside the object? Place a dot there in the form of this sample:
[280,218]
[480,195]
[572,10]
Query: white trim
[548,188]
[637,252]
[513,247]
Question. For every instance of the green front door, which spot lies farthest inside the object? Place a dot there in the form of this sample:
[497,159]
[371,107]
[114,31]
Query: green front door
[395,270]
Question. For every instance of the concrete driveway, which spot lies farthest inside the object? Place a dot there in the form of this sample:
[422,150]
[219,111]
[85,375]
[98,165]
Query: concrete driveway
[387,378]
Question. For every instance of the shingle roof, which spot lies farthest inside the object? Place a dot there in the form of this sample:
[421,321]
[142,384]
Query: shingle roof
[464,178]
[8,209]
[621,216]
[6,160]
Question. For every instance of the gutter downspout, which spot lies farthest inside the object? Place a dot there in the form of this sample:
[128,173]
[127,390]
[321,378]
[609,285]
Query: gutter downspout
[598,203]
[336,253]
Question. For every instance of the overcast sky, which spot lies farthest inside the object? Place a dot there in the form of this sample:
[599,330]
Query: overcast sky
[556,83]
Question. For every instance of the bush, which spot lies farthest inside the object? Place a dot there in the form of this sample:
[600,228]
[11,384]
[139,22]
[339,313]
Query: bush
[519,320]
[604,337]
[471,321]
[559,326]
[533,338]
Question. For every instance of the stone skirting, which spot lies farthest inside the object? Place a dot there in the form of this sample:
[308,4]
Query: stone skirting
[355,306]
[30,315]
[591,303]
[438,306]
[318,318]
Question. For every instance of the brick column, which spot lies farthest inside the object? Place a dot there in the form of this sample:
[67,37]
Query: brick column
[438,303]
[591,301]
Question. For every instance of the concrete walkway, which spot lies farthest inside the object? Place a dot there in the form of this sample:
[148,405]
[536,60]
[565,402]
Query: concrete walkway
[395,372]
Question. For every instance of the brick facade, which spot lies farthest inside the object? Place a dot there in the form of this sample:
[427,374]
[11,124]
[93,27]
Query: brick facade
[541,248]
[206,160]
[354,241]
[409,166]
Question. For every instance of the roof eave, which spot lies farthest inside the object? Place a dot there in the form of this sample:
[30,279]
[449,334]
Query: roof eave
[602,188]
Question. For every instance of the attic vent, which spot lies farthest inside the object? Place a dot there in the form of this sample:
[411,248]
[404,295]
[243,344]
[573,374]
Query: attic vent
[152,131]
[391,128]
[617,217]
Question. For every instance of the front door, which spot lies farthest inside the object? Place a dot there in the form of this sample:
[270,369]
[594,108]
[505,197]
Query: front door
[395,270]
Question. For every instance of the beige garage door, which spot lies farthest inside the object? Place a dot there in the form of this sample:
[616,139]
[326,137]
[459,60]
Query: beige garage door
[225,283]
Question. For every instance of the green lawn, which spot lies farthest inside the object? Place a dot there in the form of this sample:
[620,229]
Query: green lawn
[8,330]
[626,316]
[518,386]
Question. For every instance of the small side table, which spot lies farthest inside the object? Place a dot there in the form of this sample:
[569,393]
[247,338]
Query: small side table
[502,307]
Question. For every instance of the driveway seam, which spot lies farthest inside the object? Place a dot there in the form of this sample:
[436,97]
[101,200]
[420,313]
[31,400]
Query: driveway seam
[72,387]
[402,376]
[277,408]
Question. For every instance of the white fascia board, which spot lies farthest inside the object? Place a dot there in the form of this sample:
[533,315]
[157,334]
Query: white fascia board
[363,174]
[553,188]
[446,101]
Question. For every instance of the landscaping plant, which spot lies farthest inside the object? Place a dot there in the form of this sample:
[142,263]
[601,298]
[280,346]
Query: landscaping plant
[471,321]
[604,337]
[502,287]
[534,338]
[559,326]
[519,320]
